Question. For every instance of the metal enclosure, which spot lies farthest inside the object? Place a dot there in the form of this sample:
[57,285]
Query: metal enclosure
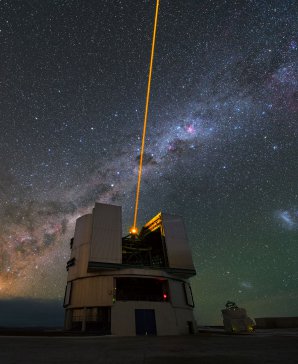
[235,319]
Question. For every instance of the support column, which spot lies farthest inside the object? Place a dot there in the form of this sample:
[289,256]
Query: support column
[84,319]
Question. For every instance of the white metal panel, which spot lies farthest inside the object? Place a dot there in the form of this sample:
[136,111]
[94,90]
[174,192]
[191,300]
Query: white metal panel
[79,269]
[106,242]
[80,247]
[178,250]
[92,291]
[82,260]
[177,294]
[83,230]
[184,316]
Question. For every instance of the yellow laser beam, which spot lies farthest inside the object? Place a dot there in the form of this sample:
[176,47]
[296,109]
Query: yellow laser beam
[134,227]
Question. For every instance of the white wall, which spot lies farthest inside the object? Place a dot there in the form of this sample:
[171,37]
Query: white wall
[123,317]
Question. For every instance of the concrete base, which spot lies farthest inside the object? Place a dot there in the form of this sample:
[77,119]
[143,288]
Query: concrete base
[169,320]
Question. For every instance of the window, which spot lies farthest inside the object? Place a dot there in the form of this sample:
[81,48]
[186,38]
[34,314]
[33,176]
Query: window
[67,294]
[188,294]
[142,289]
[70,263]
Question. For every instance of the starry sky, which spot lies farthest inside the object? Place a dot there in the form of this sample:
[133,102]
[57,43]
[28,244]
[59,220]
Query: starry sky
[221,147]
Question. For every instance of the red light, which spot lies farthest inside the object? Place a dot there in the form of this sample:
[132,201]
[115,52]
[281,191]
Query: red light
[165,296]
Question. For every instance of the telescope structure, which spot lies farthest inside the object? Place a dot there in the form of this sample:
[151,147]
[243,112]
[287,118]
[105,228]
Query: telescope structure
[132,285]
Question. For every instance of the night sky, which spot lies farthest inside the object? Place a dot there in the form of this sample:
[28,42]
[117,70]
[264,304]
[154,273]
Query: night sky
[221,148]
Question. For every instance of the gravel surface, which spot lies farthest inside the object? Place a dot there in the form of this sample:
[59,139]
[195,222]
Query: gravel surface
[207,347]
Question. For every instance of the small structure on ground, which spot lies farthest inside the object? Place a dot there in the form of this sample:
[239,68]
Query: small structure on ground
[132,285]
[236,320]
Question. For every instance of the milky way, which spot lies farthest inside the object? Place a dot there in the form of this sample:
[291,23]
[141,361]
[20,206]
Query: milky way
[221,146]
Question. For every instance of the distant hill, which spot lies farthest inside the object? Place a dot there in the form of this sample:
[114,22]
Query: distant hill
[28,312]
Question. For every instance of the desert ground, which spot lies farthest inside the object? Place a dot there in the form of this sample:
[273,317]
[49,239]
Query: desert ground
[274,346]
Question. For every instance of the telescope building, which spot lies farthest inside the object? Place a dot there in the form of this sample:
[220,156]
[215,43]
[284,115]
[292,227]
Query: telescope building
[133,285]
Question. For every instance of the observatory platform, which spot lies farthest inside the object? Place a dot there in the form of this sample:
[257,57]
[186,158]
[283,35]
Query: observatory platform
[132,285]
